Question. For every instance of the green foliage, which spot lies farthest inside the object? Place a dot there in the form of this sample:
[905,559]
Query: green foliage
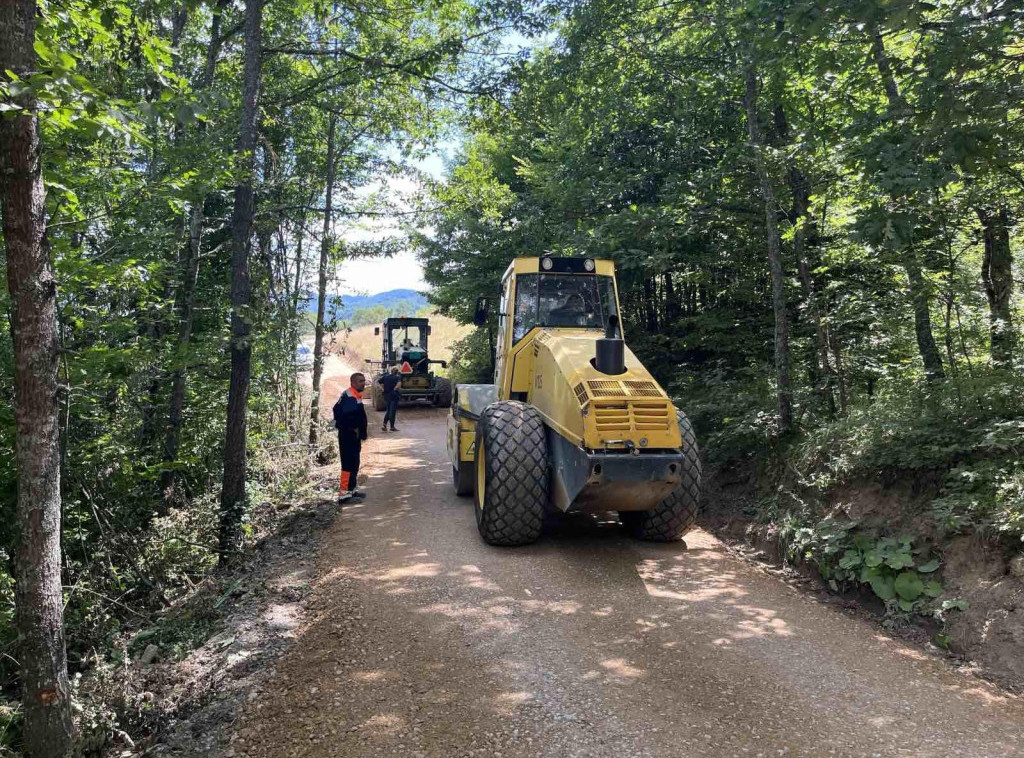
[471,362]
[377,313]
[902,575]
[965,435]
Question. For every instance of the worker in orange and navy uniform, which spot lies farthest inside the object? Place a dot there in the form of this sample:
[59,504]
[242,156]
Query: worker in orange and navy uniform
[350,420]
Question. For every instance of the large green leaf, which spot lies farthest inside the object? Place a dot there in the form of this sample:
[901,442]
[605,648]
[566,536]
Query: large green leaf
[851,559]
[908,585]
[899,560]
[883,586]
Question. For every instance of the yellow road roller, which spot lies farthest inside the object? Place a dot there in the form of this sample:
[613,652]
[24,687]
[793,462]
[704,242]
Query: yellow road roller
[573,421]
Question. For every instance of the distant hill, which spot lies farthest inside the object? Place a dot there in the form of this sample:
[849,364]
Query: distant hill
[368,309]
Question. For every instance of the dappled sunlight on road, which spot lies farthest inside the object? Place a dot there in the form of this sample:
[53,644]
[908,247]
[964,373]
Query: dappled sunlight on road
[455,638]
[702,581]
[622,669]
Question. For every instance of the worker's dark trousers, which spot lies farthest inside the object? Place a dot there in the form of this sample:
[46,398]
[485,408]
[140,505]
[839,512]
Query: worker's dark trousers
[391,411]
[349,447]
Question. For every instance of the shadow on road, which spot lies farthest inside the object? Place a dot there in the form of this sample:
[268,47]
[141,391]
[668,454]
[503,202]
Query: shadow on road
[588,632]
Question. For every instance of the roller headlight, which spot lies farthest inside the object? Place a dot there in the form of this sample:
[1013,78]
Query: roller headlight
[588,265]
[546,264]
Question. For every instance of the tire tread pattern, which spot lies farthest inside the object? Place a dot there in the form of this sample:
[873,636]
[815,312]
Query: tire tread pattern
[517,477]
[674,516]
[377,395]
[443,398]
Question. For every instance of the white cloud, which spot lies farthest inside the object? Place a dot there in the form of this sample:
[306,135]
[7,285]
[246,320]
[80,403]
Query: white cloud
[371,276]
[402,271]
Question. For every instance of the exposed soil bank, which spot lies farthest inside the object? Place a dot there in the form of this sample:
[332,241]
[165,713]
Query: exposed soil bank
[987,638]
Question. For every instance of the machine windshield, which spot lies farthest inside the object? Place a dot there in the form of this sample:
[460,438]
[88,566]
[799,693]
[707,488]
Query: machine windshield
[405,338]
[573,300]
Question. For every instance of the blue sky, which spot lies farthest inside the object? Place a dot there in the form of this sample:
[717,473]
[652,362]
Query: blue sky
[403,271]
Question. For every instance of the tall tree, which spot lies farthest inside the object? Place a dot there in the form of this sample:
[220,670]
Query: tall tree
[232,497]
[997,276]
[189,275]
[784,389]
[920,294]
[46,694]
[321,293]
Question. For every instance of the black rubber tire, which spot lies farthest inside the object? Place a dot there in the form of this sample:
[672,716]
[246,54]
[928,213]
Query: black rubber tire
[443,398]
[378,396]
[512,450]
[462,479]
[674,516]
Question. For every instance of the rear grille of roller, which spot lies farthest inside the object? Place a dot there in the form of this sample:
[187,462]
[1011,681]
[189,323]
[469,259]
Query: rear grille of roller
[649,416]
[581,393]
[627,416]
[612,418]
[602,388]
[615,409]
[639,388]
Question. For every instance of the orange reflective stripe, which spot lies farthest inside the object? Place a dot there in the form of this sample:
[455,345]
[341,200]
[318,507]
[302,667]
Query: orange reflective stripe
[346,479]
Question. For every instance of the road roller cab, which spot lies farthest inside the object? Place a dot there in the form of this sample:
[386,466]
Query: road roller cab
[573,421]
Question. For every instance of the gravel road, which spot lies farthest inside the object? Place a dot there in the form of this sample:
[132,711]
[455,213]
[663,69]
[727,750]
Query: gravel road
[420,640]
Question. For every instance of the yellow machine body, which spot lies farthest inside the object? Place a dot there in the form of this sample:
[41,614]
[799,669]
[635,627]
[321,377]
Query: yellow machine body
[622,426]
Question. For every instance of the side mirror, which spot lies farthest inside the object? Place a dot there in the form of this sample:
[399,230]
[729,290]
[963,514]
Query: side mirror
[444,364]
[428,328]
[368,360]
[376,331]
[480,317]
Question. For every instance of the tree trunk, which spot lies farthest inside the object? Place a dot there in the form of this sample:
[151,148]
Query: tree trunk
[842,379]
[921,299]
[46,695]
[232,497]
[785,392]
[186,293]
[650,305]
[805,235]
[294,406]
[919,293]
[671,300]
[997,275]
[321,294]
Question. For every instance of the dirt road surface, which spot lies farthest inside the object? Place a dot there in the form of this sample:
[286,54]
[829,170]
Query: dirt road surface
[423,641]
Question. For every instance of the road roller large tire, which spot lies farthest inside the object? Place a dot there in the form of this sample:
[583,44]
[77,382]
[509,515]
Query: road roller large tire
[443,398]
[512,476]
[377,393]
[674,516]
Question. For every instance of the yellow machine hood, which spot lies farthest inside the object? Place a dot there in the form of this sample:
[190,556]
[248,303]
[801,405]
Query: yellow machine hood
[592,409]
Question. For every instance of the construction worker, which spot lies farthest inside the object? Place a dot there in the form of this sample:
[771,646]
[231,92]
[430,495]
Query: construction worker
[350,420]
[390,383]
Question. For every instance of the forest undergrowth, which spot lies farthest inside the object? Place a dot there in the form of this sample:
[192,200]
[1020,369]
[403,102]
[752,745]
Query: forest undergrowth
[154,593]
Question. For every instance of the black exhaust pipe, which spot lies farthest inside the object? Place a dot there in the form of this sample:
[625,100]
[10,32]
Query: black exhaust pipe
[611,358]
